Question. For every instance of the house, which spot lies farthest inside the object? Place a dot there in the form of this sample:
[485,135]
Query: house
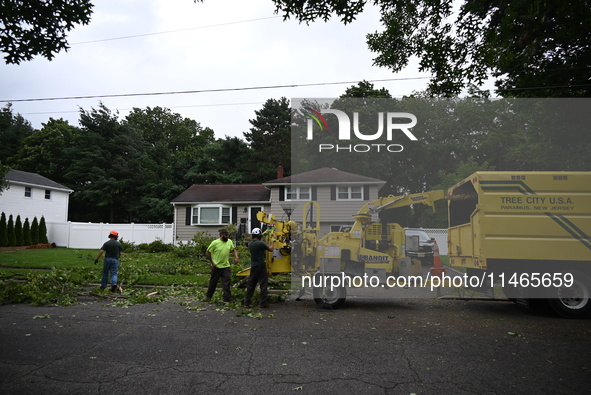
[211,207]
[31,195]
[208,208]
[339,194]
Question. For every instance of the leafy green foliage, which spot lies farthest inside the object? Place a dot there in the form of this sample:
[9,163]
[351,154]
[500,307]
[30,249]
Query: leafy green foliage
[14,129]
[269,140]
[37,27]
[222,162]
[171,277]
[57,286]
[47,150]
[533,48]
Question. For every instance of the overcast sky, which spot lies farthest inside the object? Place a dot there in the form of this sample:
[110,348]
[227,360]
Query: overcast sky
[159,46]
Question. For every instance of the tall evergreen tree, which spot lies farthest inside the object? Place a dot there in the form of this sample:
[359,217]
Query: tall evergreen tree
[27,232]
[18,231]
[35,231]
[269,139]
[3,230]
[11,232]
[48,151]
[43,231]
[105,170]
[170,146]
[13,130]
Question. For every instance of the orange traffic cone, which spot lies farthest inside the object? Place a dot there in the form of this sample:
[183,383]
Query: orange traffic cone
[438,269]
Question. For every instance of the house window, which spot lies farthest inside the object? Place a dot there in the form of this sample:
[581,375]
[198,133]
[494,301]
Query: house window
[349,193]
[297,193]
[28,192]
[211,215]
[47,194]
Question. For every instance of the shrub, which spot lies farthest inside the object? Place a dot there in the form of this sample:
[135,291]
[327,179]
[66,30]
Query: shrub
[35,231]
[27,233]
[202,241]
[18,231]
[3,231]
[11,232]
[128,246]
[43,231]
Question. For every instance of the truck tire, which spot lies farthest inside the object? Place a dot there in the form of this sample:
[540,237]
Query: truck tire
[573,302]
[328,298]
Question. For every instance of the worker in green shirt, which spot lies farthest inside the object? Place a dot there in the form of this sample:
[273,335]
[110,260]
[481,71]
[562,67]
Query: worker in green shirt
[258,268]
[218,254]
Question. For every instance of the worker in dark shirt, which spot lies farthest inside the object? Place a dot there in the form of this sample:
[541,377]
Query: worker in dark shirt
[258,268]
[112,250]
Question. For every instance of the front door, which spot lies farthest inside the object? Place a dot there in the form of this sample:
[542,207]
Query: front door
[254,222]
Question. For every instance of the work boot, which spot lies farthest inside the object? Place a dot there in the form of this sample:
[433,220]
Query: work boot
[114,288]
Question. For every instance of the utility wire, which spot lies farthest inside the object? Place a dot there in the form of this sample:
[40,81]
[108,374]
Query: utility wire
[203,90]
[129,109]
[174,31]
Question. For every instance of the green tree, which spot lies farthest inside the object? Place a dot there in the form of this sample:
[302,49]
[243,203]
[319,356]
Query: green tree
[105,169]
[47,151]
[11,232]
[170,146]
[13,130]
[18,231]
[39,27]
[43,231]
[3,183]
[3,230]
[27,233]
[269,139]
[539,48]
[224,162]
[35,231]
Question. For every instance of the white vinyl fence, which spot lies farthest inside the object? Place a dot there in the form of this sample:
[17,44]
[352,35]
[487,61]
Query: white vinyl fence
[440,236]
[92,235]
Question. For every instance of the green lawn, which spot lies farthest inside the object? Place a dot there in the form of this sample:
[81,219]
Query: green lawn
[60,275]
[139,267]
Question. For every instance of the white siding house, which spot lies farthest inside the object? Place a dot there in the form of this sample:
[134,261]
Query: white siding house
[31,195]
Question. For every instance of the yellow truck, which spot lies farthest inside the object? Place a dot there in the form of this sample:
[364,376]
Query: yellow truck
[528,232]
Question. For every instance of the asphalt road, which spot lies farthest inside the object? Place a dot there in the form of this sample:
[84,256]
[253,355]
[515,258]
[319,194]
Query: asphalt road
[401,346]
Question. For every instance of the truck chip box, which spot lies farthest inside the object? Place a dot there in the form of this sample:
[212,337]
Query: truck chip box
[528,231]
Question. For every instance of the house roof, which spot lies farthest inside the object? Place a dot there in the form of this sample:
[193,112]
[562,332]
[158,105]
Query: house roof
[33,179]
[325,175]
[231,193]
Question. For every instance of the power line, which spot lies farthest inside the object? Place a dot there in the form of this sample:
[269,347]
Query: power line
[129,109]
[204,90]
[174,31]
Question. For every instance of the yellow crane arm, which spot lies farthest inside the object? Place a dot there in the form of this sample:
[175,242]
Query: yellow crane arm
[390,202]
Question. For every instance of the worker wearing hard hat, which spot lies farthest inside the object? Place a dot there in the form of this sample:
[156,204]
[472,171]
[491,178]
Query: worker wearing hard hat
[258,268]
[112,250]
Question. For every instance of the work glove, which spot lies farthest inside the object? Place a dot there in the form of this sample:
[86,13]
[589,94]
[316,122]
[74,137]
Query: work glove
[96,261]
